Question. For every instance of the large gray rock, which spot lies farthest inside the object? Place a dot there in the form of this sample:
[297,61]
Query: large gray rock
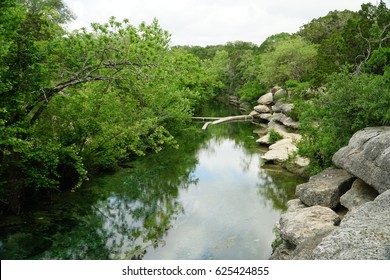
[361,236]
[359,194]
[262,109]
[284,108]
[325,188]
[367,156]
[314,224]
[266,99]
[266,116]
[302,224]
[287,121]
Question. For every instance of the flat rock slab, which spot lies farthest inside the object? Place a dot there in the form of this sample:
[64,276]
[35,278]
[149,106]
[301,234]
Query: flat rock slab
[287,121]
[302,224]
[363,235]
[282,149]
[367,156]
[325,188]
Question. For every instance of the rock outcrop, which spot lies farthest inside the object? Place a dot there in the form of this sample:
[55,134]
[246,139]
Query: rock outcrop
[363,235]
[273,110]
[299,225]
[359,194]
[302,229]
[367,156]
[364,232]
[325,188]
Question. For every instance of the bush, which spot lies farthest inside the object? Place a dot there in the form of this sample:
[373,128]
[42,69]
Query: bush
[352,103]
[274,136]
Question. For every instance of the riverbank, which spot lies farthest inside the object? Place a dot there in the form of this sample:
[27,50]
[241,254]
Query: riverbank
[343,213]
[277,131]
[340,213]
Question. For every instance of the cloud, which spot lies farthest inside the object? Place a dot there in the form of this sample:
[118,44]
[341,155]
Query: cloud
[206,22]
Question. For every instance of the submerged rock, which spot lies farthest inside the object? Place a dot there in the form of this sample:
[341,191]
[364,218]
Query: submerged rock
[367,156]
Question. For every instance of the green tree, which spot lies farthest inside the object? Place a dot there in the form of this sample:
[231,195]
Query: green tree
[86,100]
[56,9]
[292,59]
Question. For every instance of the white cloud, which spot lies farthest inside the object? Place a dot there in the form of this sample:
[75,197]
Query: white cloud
[206,22]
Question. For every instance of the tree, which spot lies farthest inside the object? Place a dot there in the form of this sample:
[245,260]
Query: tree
[83,101]
[292,59]
[55,9]
[363,34]
[322,28]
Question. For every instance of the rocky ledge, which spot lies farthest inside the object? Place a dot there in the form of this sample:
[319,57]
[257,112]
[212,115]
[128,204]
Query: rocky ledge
[315,225]
[274,114]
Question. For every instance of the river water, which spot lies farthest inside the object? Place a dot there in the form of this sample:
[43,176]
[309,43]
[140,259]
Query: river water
[212,198]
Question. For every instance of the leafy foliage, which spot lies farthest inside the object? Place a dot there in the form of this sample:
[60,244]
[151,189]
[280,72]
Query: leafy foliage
[74,103]
[352,102]
[292,59]
[274,136]
[86,100]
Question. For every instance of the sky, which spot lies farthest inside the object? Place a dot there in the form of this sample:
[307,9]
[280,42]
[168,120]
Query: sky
[212,22]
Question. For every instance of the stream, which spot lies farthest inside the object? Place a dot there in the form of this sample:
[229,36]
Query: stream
[213,198]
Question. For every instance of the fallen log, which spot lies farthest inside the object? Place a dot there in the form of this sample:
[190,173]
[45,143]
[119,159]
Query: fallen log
[228,119]
[206,118]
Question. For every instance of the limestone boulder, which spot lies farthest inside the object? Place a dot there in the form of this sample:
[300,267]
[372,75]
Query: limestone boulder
[287,121]
[303,224]
[279,151]
[295,204]
[266,99]
[262,109]
[325,188]
[264,140]
[363,235]
[367,156]
[284,108]
[266,117]
[359,194]
[276,126]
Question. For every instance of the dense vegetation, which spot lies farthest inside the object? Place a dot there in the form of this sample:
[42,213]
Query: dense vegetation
[84,101]
[74,103]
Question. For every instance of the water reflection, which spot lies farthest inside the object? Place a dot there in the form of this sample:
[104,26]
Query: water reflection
[211,199]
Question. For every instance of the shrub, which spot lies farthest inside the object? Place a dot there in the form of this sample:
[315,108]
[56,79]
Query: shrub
[274,136]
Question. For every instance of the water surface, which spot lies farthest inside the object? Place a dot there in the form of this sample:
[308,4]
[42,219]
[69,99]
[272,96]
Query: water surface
[212,198]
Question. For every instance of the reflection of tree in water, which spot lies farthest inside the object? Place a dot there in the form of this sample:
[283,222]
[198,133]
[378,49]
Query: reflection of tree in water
[130,228]
[134,210]
[132,225]
[277,185]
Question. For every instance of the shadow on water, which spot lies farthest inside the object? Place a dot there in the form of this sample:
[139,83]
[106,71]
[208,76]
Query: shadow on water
[210,199]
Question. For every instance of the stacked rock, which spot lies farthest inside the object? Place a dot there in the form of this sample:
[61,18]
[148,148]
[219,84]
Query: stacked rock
[313,227]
